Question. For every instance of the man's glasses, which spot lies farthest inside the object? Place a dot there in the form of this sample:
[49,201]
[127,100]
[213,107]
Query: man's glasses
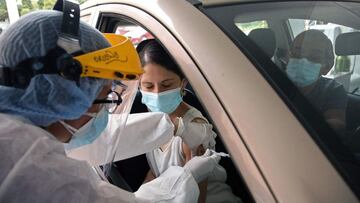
[113,99]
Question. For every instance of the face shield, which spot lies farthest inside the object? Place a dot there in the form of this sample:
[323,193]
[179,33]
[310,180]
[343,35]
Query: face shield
[125,135]
[74,62]
[121,65]
[102,151]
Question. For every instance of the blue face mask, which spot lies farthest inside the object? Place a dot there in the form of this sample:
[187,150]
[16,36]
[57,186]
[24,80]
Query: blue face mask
[302,72]
[166,102]
[88,132]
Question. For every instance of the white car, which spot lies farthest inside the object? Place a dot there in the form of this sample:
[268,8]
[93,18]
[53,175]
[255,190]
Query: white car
[281,149]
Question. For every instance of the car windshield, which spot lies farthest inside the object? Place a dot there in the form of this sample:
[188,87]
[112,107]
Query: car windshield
[309,52]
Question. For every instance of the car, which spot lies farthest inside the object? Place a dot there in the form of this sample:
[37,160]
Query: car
[282,149]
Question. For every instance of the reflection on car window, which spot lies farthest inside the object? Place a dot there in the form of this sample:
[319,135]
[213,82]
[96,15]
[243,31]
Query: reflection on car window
[136,33]
[346,68]
[85,18]
[311,57]
[318,66]
[246,27]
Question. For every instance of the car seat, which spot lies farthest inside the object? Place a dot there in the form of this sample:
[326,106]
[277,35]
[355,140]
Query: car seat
[265,39]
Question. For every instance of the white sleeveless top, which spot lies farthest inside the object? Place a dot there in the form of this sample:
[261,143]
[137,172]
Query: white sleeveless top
[172,155]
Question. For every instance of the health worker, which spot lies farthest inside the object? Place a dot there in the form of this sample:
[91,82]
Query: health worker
[60,79]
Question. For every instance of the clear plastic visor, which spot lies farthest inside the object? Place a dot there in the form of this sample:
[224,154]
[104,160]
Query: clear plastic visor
[101,152]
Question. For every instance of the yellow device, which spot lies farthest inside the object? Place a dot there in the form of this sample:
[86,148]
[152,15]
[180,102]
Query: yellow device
[118,62]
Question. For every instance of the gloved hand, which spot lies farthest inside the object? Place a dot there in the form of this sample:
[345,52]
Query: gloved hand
[201,166]
[195,134]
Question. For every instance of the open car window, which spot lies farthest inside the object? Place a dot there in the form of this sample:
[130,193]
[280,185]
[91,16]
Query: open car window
[134,170]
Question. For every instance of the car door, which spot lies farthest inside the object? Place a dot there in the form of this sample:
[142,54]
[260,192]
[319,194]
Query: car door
[119,15]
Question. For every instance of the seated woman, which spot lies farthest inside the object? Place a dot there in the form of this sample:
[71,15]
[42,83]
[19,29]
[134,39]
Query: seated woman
[162,87]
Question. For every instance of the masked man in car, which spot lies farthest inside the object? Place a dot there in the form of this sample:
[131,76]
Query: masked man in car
[311,56]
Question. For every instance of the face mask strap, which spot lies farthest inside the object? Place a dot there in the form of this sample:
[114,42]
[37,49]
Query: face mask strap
[92,115]
[68,127]
[95,114]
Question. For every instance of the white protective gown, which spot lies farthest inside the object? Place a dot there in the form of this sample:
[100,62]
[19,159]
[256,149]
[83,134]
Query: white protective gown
[35,168]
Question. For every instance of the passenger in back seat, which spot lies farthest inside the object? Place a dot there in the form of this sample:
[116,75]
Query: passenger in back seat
[162,87]
[311,56]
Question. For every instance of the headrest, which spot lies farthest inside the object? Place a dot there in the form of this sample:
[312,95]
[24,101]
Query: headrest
[265,39]
[348,44]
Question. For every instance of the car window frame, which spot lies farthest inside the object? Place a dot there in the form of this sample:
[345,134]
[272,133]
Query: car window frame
[100,13]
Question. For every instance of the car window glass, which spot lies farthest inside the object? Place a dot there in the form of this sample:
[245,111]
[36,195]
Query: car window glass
[316,74]
[346,68]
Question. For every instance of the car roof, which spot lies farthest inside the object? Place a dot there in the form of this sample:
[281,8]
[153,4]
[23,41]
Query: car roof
[91,3]
[218,2]
[338,16]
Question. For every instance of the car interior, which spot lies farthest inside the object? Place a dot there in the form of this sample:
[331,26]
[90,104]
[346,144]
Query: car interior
[129,174]
[288,19]
[265,39]
[280,30]
[344,47]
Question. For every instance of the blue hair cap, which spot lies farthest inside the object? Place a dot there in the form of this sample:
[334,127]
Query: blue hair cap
[49,97]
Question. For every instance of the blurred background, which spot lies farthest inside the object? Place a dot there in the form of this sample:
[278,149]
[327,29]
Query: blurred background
[11,10]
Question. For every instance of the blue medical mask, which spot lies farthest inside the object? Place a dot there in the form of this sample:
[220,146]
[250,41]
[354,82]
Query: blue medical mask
[88,132]
[302,72]
[166,101]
